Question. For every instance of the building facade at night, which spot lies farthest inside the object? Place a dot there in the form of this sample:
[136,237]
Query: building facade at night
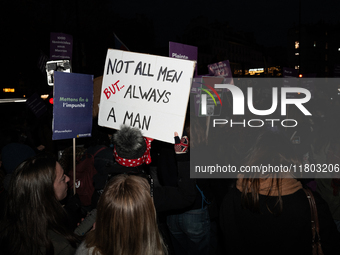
[314,49]
[218,42]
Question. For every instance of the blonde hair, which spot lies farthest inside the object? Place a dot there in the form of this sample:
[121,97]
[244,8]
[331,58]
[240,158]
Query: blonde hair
[126,219]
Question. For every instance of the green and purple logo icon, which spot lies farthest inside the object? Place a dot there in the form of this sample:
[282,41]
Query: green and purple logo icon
[204,98]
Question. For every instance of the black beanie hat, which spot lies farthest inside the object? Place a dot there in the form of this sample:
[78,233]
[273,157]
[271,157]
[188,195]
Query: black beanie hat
[129,142]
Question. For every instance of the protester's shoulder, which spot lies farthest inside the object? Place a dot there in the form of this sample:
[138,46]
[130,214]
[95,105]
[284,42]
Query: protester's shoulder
[60,244]
[319,200]
[83,250]
[233,193]
[233,196]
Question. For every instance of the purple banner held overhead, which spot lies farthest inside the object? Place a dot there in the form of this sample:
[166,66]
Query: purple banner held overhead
[220,69]
[72,106]
[183,51]
[61,46]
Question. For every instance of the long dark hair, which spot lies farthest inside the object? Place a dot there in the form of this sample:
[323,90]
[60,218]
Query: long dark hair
[32,209]
[270,148]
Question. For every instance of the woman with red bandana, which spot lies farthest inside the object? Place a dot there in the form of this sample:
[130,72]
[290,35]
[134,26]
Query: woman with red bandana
[132,156]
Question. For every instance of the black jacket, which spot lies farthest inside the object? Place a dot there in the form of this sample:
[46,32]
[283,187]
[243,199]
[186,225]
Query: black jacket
[246,232]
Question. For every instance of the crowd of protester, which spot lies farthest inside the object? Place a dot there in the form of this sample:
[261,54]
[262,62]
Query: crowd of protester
[152,206]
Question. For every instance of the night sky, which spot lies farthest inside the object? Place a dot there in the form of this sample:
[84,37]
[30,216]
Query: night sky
[268,20]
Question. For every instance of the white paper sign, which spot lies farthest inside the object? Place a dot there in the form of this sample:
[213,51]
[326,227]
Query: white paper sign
[145,91]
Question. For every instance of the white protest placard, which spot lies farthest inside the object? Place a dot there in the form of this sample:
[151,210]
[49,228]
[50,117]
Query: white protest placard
[145,91]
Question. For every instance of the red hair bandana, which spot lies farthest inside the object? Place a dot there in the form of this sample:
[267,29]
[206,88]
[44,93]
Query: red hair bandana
[146,158]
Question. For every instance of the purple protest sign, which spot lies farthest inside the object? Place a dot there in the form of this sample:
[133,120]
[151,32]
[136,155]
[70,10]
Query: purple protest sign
[336,70]
[289,72]
[220,69]
[36,105]
[183,51]
[72,106]
[196,93]
[206,84]
[61,46]
[290,80]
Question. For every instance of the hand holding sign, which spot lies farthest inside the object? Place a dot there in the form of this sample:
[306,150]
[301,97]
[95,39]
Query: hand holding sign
[181,145]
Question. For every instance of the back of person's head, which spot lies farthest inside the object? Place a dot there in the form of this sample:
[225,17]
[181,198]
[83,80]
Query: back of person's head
[33,207]
[271,148]
[126,219]
[33,181]
[131,149]
[129,142]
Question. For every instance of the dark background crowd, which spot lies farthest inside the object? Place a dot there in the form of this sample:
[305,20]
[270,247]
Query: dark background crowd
[318,143]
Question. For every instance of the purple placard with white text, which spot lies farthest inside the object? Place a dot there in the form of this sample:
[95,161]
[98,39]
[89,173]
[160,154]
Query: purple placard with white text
[220,69]
[290,79]
[336,70]
[61,46]
[289,72]
[183,51]
[36,105]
